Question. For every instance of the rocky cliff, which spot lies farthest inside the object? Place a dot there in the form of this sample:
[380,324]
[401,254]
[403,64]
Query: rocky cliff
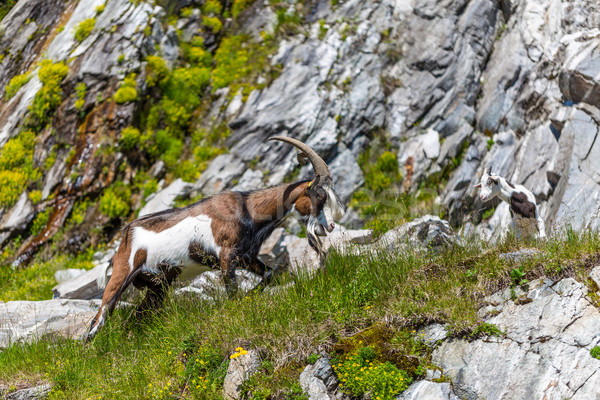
[105,102]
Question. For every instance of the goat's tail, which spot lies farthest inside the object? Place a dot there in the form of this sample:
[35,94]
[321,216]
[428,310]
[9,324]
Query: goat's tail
[102,280]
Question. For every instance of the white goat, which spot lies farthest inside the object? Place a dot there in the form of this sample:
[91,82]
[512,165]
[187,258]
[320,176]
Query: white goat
[526,220]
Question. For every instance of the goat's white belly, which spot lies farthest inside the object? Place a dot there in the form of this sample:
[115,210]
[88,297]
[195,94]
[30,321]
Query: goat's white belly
[172,246]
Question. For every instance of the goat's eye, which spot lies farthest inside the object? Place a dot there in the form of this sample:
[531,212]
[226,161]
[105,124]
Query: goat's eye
[490,181]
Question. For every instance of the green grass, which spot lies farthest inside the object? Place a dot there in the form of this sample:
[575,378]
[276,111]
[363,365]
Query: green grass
[391,292]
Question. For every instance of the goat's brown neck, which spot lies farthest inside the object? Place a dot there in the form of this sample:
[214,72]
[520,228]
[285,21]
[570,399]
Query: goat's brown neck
[275,202]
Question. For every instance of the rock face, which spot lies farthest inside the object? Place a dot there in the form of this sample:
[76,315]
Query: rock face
[240,369]
[33,393]
[24,321]
[319,381]
[428,390]
[549,333]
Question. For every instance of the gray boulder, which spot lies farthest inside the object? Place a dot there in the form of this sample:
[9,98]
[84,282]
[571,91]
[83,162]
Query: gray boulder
[26,321]
[319,381]
[165,199]
[240,369]
[427,232]
[38,392]
[426,390]
[549,335]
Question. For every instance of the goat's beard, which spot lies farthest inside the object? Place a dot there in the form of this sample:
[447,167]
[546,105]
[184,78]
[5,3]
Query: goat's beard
[314,229]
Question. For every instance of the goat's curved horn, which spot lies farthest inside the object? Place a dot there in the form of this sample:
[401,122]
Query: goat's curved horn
[320,167]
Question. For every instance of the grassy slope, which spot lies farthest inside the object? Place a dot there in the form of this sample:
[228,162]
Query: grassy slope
[183,350]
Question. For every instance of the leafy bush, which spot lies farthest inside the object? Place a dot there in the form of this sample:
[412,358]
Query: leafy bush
[360,373]
[127,92]
[35,196]
[231,62]
[595,352]
[16,167]
[40,221]
[517,275]
[15,84]
[80,91]
[84,28]
[130,138]
[156,70]
[100,9]
[114,202]
[239,6]
[213,23]
[49,97]
[212,7]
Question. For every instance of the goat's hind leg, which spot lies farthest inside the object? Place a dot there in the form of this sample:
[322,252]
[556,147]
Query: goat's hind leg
[157,286]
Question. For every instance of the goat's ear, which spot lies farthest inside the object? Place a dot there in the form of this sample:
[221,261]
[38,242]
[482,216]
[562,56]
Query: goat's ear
[478,185]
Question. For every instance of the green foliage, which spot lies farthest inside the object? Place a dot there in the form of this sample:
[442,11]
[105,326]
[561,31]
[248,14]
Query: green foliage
[80,91]
[212,7]
[5,8]
[84,28]
[15,84]
[213,23]
[486,329]
[239,6]
[16,167]
[490,143]
[114,202]
[49,97]
[322,29]
[40,221]
[78,212]
[127,92]
[381,201]
[156,70]
[37,280]
[361,373]
[131,138]
[288,23]
[595,352]
[35,196]
[517,276]
[100,9]
[231,62]
[313,358]
[487,214]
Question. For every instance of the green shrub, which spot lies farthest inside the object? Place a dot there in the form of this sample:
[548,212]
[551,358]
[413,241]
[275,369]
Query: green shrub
[35,196]
[127,92]
[239,6]
[213,23]
[40,221]
[212,6]
[313,358]
[84,28]
[517,276]
[360,373]
[114,202]
[80,91]
[130,138]
[49,97]
[486,329]
[16,167]
[231,62]
[78,212]
[156,70]
[100,9]
[595,352]
[15,84]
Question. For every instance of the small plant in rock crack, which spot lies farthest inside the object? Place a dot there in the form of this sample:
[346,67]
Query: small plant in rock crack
[486,329]
[313,358]
[517,275]
[595,352]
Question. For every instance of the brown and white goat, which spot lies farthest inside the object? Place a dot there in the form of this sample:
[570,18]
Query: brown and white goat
[223,231]
[526,220]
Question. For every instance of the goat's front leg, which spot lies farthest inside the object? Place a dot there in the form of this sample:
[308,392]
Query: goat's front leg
[227,263]
[541,226]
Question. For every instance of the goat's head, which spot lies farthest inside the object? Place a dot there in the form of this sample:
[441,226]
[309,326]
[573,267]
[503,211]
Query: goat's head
[489,185]
[320,206]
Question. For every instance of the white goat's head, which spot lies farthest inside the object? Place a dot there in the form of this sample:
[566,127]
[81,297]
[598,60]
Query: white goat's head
[489,185]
